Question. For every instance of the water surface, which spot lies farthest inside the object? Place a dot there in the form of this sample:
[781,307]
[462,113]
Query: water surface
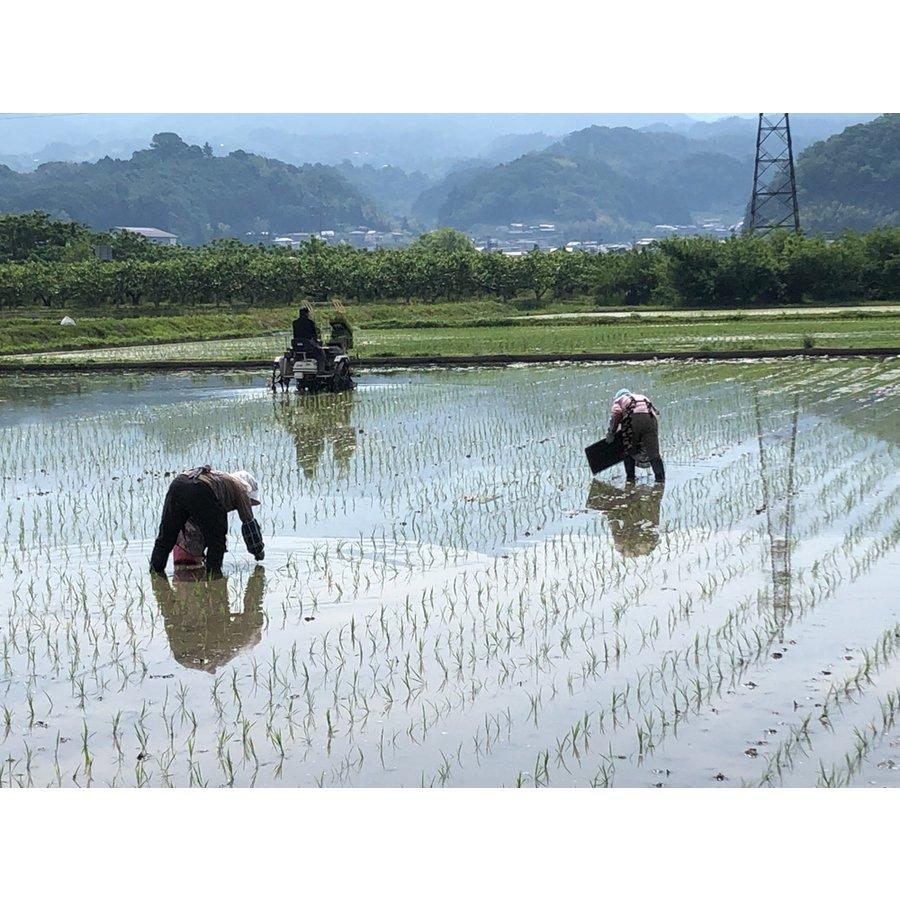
[447,597]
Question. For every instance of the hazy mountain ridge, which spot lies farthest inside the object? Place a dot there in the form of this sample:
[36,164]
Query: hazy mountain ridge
[430,143]
[625,179]
[852,180]
[613,182]
[185,190]
[616,178]
[392,188]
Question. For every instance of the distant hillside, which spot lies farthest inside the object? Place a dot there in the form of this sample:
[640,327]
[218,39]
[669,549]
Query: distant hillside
[616,178]
[852,180]
[511,146]
[393,189]
[186,190]
[429,204]
[709,181]
[736,135]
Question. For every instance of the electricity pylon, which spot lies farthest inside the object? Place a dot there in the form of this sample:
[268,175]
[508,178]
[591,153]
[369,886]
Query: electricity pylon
[773,205]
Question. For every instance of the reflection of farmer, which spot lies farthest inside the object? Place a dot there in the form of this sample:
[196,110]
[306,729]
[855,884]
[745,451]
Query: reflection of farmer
[633,515]
[203,633]
[311,421]
[638,419]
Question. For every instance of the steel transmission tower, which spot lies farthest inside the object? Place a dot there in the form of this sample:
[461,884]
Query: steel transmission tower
[773,205]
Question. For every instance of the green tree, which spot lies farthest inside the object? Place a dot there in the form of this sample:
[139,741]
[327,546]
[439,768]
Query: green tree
[628,278]
[748,273]
[537,273]
[36,235]
[445,240]
[691,268]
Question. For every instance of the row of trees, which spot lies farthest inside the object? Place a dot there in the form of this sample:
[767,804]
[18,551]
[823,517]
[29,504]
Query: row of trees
[681,271]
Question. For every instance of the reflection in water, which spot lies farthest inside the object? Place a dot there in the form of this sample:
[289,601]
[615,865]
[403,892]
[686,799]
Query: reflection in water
[203,632]
[311,421]
[633,514]
[779,546]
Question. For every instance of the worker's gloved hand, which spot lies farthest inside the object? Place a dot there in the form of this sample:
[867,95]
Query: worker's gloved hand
[252,534]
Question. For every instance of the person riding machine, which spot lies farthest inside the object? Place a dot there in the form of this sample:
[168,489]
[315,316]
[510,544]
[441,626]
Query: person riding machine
[313,366]
[307,339]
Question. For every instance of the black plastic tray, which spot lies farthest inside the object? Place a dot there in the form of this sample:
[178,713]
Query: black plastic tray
[601,456]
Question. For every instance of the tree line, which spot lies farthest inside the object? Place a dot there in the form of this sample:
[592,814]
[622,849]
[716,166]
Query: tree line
[696,271]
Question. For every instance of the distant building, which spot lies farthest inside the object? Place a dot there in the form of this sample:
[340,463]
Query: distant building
[154,235]
[358,237]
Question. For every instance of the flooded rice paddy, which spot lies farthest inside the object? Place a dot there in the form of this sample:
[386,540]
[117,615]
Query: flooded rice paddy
[447,598]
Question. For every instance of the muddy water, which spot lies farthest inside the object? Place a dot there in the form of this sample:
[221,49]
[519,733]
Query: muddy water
[447,597]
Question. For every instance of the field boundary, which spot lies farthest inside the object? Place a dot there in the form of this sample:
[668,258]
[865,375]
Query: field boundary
[406,362]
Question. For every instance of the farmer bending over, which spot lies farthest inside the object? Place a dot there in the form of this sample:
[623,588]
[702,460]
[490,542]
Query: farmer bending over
[205,497]
[638,419]
[307,338]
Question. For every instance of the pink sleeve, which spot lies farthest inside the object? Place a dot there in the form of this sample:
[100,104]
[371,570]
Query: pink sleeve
[616,415]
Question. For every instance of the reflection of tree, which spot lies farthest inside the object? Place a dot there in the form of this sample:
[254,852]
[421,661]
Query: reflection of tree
[203,633]
[313,420]
[633,514]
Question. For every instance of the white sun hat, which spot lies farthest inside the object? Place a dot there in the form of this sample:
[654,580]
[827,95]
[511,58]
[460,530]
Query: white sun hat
[249,482]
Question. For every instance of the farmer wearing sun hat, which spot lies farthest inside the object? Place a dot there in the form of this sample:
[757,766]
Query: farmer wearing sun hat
[204,497]
[638,418]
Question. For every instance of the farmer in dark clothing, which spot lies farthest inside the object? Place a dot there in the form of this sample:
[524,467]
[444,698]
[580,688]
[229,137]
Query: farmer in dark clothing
[307,338]
[638,418]
[205,497]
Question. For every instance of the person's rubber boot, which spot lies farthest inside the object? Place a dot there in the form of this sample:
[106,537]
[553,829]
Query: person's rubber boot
[659,470]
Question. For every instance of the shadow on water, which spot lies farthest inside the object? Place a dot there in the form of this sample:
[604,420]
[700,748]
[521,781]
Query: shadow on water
[202,630]
[632,513]
[315,421]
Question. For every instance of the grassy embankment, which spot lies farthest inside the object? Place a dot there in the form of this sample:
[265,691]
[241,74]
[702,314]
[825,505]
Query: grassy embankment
[38,330]
[453,329]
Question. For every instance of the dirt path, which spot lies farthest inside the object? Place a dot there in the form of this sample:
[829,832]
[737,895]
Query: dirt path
[780,312]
